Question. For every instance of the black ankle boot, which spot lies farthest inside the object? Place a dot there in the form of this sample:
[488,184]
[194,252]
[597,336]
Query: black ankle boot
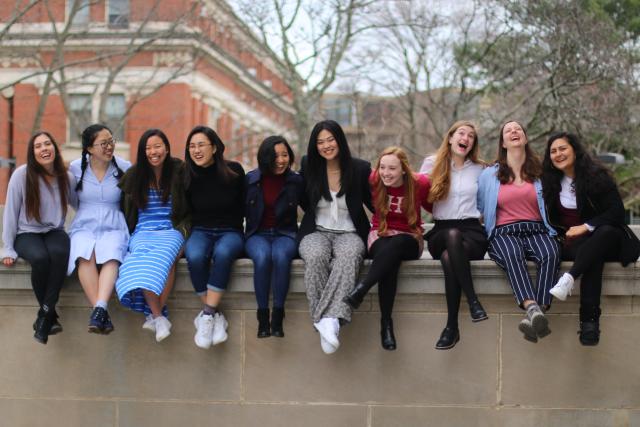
[56,328]
[355,297]
[477,312]
[387,337]
[276,322]
[264,329]
[448,339]
[589,332]
[43,325]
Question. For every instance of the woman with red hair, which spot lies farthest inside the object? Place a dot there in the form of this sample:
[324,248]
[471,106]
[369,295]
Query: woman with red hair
[396,232]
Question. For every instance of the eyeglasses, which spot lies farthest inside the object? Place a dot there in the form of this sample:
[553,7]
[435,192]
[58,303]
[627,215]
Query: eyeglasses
[106,143]
[193,147]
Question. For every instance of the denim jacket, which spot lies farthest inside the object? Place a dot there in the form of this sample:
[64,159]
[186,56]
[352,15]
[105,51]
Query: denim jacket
[286,208]
[488,188]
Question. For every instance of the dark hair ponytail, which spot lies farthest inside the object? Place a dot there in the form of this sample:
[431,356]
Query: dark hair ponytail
[89,136]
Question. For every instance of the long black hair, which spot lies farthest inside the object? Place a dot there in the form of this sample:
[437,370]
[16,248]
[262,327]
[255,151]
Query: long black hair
[591,176]
[316,176]
[35,171]
[89,136]
[222,169]
[144,176]
[267,153]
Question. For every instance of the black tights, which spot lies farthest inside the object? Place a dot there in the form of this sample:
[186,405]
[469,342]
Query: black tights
[589,254]
[388,253]
[455,253]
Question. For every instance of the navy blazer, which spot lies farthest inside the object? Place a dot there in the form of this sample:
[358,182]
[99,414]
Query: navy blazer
[286,208]
[358,196]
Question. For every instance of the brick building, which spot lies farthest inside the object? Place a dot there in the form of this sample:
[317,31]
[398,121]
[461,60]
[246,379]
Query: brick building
[170,64]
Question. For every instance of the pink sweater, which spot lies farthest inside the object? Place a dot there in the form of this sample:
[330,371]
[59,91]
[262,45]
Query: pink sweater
[517,203]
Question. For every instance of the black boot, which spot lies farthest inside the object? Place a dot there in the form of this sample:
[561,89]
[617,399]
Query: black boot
[43,324]
[477,312]
[276,322]
[56,328]
[355,297]
[387,337]
[263,323]
[589,325]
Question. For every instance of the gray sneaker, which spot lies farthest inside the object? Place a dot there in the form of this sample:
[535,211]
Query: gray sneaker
[526,328]
[539,322]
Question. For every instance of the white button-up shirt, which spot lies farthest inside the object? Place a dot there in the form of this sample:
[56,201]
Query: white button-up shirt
[461,202]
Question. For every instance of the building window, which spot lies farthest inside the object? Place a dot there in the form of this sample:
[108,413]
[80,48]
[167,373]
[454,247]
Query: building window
[115,111]
[340,110]
[81,15]
[79,115]
[118,13]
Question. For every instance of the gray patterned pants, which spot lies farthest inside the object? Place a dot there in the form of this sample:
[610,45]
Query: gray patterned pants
[332,263]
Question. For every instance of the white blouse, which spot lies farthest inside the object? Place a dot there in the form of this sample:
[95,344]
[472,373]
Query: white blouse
[461,202]
[567,193]
[334,215]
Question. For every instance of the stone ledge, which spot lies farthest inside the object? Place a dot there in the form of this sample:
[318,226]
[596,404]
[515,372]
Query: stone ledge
[423,276]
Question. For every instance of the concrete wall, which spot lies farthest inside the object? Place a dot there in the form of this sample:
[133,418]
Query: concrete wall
[493,377]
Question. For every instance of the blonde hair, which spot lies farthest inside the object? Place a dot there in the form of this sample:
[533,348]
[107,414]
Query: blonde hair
[441,173]
[380,202]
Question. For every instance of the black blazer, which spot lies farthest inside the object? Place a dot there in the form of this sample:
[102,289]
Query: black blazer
[603,207]
[358,195]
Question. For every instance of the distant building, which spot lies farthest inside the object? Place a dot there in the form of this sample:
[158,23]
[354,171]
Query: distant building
[210,69]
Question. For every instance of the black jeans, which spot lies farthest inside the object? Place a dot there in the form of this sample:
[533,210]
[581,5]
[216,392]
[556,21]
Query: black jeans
[388,253]
[48,254]
[589,254]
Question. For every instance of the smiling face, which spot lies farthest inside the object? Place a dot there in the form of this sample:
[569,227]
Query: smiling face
[390,171]
[282,159]
[461,142]
[201,150]
[513,136]
[103,146]
[156,151]
[327,145]
[562,155]
[44,151]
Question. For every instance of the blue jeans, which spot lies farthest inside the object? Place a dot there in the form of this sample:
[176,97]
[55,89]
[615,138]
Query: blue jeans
[271,253]
[220,245]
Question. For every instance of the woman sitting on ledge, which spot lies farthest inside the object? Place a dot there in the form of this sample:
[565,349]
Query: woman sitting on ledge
[396,232]
[585,207]
[33,226]
[457,236]
[155,207]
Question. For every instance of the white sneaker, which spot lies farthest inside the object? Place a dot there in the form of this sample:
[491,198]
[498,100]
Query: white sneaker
[196,320]
[163,328]
[149,324]
[563,287]
[204,332]
[329,328]
[220,326]
[326,347]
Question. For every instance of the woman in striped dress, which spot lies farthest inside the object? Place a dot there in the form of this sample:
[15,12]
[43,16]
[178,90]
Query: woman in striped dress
[155,207]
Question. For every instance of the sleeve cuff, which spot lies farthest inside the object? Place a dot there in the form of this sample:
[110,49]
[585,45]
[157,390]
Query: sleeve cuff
[589,227]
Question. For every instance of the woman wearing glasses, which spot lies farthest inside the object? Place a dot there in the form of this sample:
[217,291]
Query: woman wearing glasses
[215,192]
[99,234]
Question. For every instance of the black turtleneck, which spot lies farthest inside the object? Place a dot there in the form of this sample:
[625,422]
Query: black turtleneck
[215,203]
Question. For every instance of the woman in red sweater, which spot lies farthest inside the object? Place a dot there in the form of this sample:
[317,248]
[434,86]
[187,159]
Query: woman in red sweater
[396,232]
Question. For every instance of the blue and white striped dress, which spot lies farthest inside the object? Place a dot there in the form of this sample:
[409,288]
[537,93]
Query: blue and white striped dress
[153,248]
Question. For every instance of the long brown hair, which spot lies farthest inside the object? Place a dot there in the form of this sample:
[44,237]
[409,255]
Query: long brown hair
[532,168]
[441,173]
[35,171]
[381,202]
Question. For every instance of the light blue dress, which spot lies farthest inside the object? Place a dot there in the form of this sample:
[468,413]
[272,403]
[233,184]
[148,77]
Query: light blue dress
[153,249]
[99,224]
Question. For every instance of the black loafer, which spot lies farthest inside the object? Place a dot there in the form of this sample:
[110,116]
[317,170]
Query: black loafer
[477,312]
[448,338]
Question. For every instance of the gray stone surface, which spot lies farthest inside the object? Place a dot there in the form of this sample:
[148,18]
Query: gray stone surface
[56,413]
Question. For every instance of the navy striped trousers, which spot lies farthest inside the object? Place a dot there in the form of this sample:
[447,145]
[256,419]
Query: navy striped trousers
[511,245]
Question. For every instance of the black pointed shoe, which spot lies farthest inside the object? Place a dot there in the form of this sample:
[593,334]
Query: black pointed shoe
[264,329]
[277,316]
[477,312]
[387,338]
[355,297]
[448,338]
